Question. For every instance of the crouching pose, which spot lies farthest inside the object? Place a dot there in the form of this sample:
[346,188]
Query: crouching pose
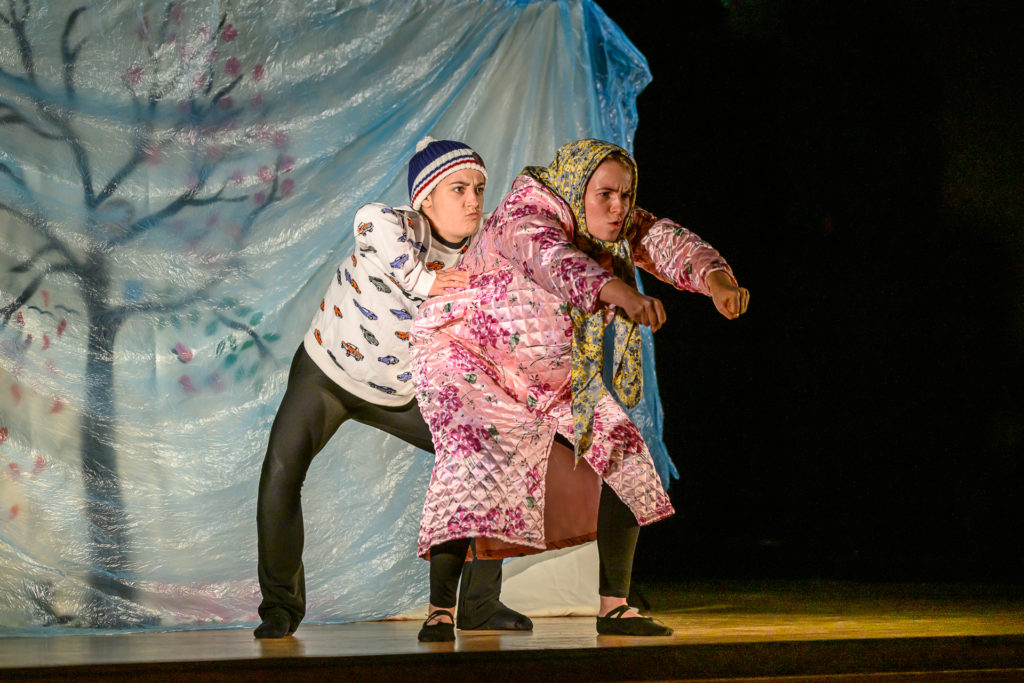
[354,364]
[508,374]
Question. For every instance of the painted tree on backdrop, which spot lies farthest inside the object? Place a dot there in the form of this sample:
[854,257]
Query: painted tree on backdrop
[187,119]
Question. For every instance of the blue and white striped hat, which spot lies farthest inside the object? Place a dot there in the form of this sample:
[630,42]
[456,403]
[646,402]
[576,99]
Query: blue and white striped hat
[435,159]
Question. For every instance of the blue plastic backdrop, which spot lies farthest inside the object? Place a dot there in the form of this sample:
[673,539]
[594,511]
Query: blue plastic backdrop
[177,183]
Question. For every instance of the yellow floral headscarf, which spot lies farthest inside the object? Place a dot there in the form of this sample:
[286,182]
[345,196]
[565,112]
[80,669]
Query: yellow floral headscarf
[567,177]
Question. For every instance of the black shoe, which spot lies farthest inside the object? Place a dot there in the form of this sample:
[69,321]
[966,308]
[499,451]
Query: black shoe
[613,624]
[439,631]
[277,623]
[501,619]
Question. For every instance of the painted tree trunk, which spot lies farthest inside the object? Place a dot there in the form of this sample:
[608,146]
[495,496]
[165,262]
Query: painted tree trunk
[110,549]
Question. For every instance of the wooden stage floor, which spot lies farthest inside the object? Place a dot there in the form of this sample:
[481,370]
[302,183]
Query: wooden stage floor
[806,630]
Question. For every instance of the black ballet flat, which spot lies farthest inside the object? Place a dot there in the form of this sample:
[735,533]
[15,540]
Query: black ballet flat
[439,631]
[277,623]
[501,619]
[613,624]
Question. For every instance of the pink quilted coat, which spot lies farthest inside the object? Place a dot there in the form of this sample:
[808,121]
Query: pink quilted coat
[491,365]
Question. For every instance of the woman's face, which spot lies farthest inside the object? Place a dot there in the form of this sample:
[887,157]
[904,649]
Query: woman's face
[454,206]
[608,199]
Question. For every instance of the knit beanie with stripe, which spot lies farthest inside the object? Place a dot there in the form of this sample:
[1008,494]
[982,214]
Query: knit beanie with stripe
[435,159]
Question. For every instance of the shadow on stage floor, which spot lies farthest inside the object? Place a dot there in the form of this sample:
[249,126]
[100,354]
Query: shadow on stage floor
[723,630]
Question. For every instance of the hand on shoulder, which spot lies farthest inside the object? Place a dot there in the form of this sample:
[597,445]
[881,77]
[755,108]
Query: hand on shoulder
[449,280]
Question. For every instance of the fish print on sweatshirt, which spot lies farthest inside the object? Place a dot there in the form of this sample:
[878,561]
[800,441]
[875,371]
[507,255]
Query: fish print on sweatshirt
[352,351]
[355,286]
[379,284]
[378,387]
[407,295]
[368,336]
[369,314]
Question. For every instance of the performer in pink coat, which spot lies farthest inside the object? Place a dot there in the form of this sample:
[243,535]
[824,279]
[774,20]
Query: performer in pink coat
[353,364]
[508,377]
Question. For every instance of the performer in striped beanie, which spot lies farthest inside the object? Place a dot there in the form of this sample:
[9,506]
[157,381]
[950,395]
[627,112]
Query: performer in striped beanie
[435,159]
[353,364]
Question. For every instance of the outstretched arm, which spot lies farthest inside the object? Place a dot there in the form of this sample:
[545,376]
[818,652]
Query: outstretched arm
[681,258]
[641,309]
[730,299]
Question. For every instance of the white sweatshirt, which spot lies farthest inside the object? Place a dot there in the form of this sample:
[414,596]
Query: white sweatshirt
[360,335]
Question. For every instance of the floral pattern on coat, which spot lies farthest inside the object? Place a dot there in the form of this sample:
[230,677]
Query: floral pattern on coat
[491,365]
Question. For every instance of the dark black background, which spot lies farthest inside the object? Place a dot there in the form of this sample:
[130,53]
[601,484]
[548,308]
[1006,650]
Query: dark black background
[860,166]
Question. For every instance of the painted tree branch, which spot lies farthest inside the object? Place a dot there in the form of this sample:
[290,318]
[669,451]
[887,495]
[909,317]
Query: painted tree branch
[272,198]
[10,21]
[253,334]
[16,117]
[142,141]
[28,263]
[59,116]
[187,198]
[17,24]
[181,302]
[138,154]
[38,221]
[10,309]
[226,90]
[69,56]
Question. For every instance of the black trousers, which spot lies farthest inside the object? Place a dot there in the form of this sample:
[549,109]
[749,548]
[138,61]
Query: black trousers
[617,533]
[312,410]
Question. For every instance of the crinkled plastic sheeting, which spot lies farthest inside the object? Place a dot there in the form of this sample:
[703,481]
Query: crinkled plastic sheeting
[177,185]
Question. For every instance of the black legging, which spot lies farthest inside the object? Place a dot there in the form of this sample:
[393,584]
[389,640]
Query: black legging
[617,532]
[312,410]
